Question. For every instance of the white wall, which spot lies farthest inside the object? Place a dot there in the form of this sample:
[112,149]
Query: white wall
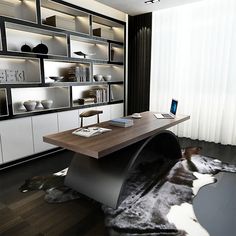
[99,8]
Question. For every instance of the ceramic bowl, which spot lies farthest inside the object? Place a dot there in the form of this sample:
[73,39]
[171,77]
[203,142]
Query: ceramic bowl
[56,78]
[98,77]
[107,77]
[30,105]
[136,116]
[47,104]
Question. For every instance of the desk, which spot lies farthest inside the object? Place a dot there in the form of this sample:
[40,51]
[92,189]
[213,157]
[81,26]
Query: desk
[102,163]
[106,143]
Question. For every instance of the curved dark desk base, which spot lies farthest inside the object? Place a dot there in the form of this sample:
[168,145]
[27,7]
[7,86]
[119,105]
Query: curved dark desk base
[104,179]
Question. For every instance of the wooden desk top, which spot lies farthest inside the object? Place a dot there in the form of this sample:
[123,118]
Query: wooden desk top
[106,143]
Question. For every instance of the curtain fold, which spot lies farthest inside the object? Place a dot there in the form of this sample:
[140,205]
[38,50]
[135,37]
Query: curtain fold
[193,60]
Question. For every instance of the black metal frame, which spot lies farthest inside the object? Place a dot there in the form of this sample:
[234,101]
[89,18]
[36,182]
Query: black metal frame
[104,179]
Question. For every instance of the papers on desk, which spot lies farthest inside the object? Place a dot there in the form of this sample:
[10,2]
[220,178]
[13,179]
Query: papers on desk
[90,131]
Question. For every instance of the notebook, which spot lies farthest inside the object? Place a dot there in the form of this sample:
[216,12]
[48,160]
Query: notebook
[171,114]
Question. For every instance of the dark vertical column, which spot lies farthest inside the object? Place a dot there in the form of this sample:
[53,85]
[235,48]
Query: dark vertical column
[139,62]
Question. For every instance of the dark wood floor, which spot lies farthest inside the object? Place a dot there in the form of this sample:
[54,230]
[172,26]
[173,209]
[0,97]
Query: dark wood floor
[28,214]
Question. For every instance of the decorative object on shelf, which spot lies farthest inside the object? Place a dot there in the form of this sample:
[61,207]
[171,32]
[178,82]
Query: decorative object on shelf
[38,104]
[100,94]
[85,54]
[30,105]
[8,76]
[98,77]
[104,33]
[79,74]
[47,104]
[61,22]
[26,48]
[41,48]
[85,101]
[56,78]
[136,116]
[107,77]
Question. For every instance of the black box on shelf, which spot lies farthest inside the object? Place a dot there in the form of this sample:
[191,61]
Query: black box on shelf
[103,33]
[61,22]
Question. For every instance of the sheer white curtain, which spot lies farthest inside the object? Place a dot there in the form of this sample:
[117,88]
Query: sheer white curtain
[194,61]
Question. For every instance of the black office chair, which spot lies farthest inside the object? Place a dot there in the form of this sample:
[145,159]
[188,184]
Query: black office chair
[88,114]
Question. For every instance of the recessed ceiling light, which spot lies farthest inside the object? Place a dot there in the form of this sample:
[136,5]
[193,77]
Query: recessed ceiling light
[151,1]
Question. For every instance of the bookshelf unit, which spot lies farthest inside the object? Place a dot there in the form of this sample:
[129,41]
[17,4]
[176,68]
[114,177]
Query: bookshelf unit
[54,50]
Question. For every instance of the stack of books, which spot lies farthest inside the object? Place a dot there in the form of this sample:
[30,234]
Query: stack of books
[121,122]
[100,94]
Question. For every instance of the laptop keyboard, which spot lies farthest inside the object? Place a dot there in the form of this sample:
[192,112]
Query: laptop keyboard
[167,115]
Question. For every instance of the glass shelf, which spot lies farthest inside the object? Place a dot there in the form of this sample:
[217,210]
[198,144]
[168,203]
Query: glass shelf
[59,95]
[19,35]
[117,53]
[64,17]
[107,29]
[23,10]
[19,70]
[94,49]
[116,71]
[90,94]
[67,71]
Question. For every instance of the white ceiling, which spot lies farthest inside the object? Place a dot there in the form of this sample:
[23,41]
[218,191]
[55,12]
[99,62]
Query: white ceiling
[136,7]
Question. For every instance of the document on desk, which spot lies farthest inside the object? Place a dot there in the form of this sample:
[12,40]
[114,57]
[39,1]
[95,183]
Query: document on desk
[90,131]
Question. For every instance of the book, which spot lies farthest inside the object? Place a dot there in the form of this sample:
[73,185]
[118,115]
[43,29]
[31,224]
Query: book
[90,131]
[121,122]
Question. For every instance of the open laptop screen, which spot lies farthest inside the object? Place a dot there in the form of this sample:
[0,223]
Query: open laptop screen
[173,107]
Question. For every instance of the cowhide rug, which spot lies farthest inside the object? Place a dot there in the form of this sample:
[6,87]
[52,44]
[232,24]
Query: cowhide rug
[53,185]
[163,207]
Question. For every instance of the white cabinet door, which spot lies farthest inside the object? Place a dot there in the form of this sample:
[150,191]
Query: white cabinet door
[106,115]
[117,110]
[16,138]
[43,125]
[68,120]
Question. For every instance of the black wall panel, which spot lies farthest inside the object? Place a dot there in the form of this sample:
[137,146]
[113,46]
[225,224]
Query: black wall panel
[139,62]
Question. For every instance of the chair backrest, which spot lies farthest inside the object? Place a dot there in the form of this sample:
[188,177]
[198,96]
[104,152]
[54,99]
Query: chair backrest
[88,114]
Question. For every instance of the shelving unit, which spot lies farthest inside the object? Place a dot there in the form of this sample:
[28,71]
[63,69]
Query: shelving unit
[99,94]
[116,92]
[116,71]
[55,72]
[67,71]
[80,44]
[108,29]
[24,10]
[93,49]
[19,70]
[63,17]
[18,35]
[117,53]
[59,96]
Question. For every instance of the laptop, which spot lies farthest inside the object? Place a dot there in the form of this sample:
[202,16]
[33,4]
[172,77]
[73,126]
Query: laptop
[171,114]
